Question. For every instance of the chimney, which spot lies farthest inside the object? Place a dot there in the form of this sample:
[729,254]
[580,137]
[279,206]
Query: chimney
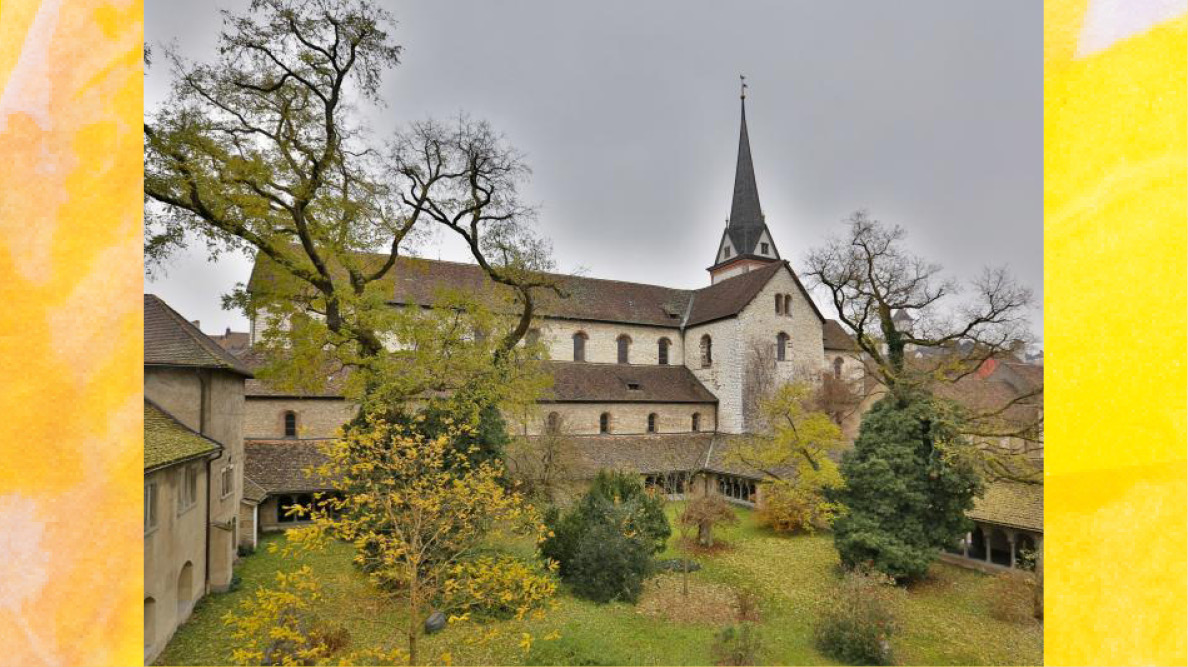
[228,332]
[196,323]
[1019,348]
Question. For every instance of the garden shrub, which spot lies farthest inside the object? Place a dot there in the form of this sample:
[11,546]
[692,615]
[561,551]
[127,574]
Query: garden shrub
[609,565]
[856,625]
[737,645]
[791,508]
[615,498]
[1012,597]
[497,587]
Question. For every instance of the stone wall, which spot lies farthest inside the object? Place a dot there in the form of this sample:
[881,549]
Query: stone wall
[602,341]
[210,402]
[626,418]
[759,328]
[316,417]
[724,376]
[177,539]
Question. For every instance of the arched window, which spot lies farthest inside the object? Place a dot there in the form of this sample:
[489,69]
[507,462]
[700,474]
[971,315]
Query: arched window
[707,351]
[579,346]
[185,590]
[150,622]
[696,421]
[779,304]
[837,367]
[787,305]
[604,422]
[290,424]
[782,346]
[652,422]
[553,424]
[663,345]
[624,343]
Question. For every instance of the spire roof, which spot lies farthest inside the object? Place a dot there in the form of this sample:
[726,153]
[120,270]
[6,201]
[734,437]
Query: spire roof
[746,223]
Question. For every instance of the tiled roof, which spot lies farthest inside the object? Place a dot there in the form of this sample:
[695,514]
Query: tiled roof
[418,281]
[278,466]
[253,492]
[656,452]
[836,338]
[1014,504]
[171,340]
[575,381]
[728,297]
[168,441]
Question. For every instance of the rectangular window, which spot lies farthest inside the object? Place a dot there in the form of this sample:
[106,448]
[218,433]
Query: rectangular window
[227,480]
[150,506]
[187,491]
[763,248]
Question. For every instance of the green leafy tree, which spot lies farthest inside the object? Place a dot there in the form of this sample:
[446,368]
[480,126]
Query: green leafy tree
[795,448]
[265,152]
[908,482]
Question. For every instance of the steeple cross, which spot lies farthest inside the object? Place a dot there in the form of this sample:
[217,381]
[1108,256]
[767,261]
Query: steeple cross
[742,93]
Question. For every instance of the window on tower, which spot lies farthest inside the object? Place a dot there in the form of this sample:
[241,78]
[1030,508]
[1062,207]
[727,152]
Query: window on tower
[782,346]
[663,352]
[763,249]
[707,351]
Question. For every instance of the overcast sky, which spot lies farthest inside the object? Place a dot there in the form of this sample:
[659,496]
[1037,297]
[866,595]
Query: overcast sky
[928,114]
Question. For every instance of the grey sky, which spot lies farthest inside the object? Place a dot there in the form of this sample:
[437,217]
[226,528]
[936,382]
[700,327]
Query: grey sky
[928,114]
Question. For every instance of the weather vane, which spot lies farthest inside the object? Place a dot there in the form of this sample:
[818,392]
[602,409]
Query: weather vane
[742,94]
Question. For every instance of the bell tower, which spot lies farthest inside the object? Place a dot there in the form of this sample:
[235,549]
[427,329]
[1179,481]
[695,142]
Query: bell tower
[746,243]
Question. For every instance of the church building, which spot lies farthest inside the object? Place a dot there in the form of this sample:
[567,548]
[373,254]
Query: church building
[653,379]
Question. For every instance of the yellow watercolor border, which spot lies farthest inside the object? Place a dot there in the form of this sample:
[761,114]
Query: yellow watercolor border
[70,337]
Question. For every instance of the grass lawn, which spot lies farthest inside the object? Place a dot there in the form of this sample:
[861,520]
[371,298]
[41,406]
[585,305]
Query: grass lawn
[944,620]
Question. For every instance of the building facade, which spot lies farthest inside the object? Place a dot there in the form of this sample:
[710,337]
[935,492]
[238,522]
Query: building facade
[193,468]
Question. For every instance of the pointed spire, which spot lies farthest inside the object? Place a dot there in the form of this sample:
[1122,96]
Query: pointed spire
[746,216]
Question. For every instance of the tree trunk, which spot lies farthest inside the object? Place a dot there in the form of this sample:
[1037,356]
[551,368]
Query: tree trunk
[705,534]
[413,620]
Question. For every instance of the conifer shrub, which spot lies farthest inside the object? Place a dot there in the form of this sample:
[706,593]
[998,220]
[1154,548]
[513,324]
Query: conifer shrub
[609,565]
[908,484]
[604,544]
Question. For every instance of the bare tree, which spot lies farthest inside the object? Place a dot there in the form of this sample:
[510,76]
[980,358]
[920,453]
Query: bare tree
[543,463]
[871,278]
[264,151]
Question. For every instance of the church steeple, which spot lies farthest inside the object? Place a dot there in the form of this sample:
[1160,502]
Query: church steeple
[746,236]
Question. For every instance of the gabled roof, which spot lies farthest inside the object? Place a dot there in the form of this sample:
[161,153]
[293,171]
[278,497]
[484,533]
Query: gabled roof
[1014,504]
[167,441]
[729,297]
[836,338]
[253,492]
[171,340]
[577,381]
[278,466]
[417,281]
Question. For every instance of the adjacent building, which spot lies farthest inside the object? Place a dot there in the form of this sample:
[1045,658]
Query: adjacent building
[193,468]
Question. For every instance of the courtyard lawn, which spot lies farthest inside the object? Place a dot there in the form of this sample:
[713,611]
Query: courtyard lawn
[944,620]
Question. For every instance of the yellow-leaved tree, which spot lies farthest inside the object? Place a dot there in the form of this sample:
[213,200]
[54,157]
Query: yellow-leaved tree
[418,510]
[795,451]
